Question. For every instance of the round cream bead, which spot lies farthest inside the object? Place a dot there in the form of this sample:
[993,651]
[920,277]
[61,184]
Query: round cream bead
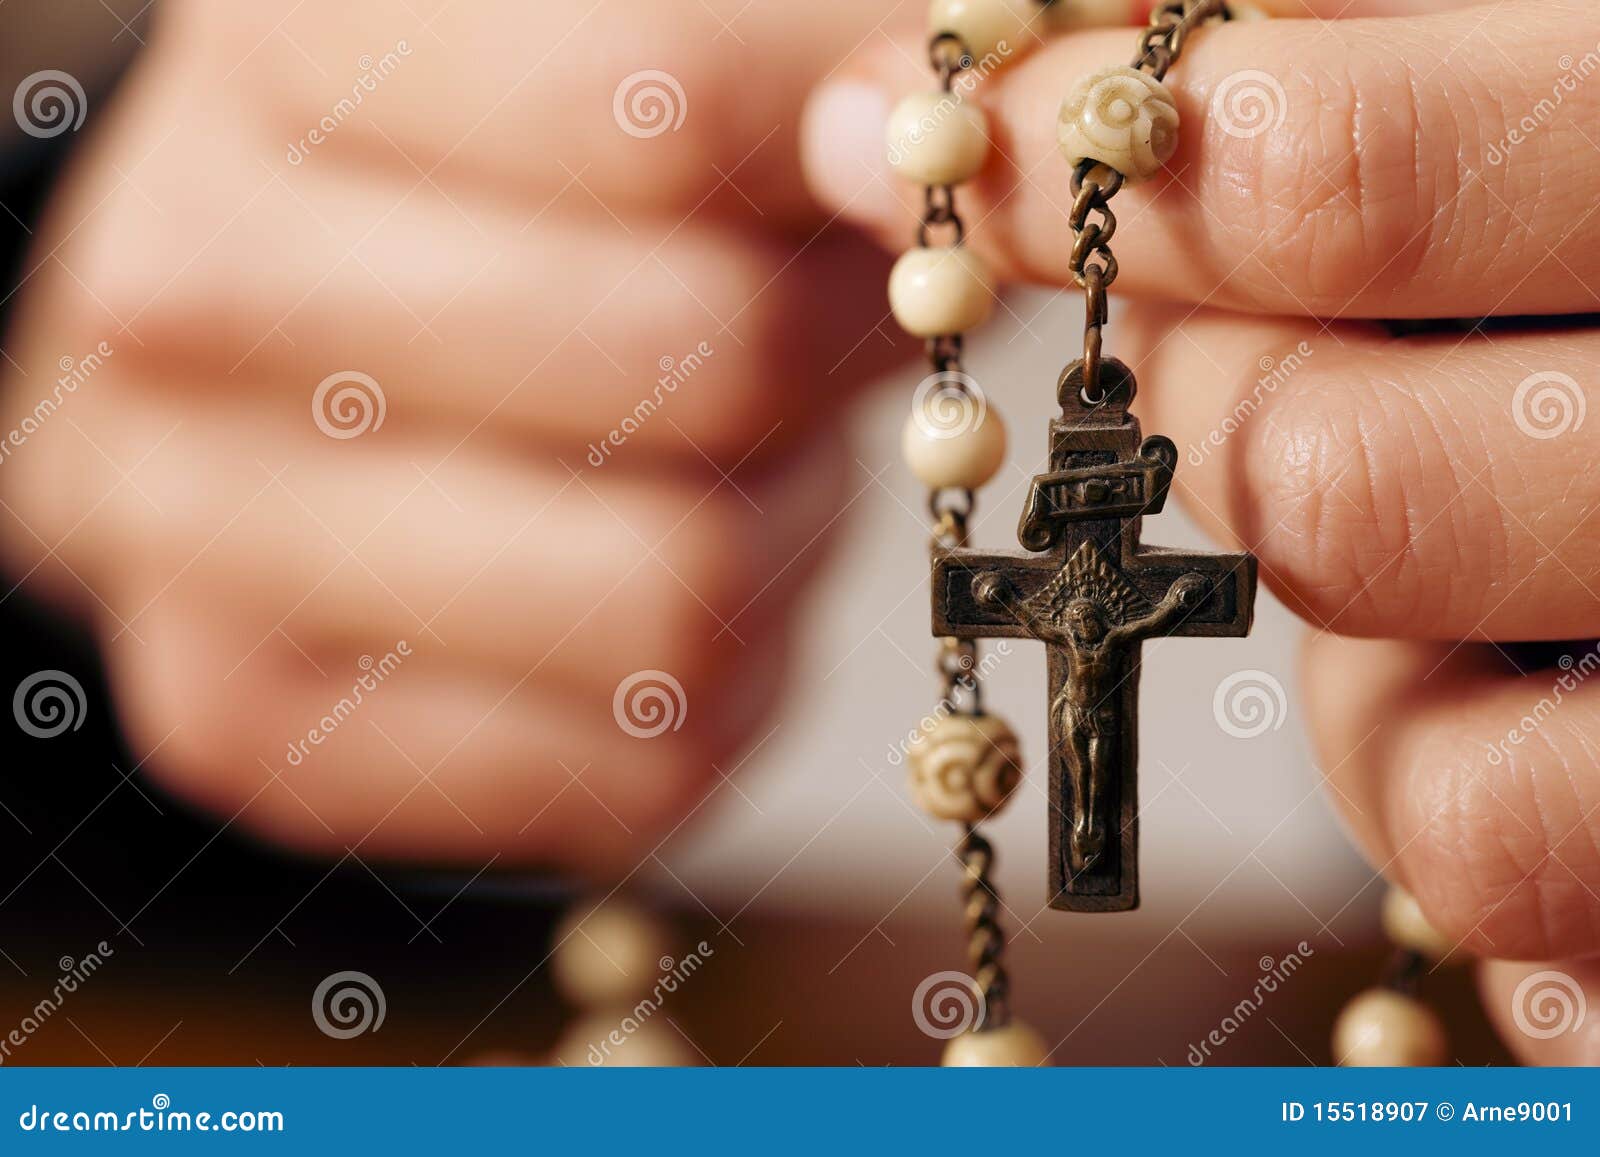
[940,290]
[615,1038]
[953,440]
[965,768]
[1404,923]
[1014,1045]
[985,26]
[1120,117]
[609,954]
[1247,12]
[1381,1028]
[936,138]
[1070,14]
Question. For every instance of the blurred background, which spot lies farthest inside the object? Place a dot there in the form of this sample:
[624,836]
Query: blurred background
[822,897]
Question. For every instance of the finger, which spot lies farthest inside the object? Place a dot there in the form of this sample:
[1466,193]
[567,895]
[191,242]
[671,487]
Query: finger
[571,333]
[1362,186]
[533,568]
[1362,470]
[402,755]
[1546,1013]
[1470,782]
[703,100]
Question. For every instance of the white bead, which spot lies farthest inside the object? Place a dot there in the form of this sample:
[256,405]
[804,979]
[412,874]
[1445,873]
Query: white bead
[986,26]
[1247,12]
[1404,923]
[618,1038]
[965,768]
[1381,1028]
[937,138]
[608,954]
[1120,117]
[940,290]
[953,440]
[1070,14]
[1014,1045]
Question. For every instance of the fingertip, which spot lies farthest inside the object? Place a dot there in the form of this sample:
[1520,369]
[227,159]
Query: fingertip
[842,149]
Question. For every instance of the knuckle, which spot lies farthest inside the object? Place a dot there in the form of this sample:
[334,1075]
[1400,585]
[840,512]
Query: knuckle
[1360,513]
[1499,852]
[1333,191]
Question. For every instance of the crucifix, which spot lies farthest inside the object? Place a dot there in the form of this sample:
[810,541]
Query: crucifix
[1092,593]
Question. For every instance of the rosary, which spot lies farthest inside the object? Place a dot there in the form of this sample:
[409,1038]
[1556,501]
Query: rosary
[1084,585]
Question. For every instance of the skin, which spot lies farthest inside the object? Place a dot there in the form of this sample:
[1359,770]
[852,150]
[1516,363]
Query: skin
[1389,494]
[485,243]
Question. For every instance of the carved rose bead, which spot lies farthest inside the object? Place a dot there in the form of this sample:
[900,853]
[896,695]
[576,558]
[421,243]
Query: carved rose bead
[965,768]
[984,26]
[1120,117]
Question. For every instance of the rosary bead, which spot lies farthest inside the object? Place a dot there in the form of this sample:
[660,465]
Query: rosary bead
[1119,117]
[940,290]
[610,954]
[965,768]
[985,26]
[1012,1046]
[954,441]
[1382,1028]
[936,138]
[1404,923]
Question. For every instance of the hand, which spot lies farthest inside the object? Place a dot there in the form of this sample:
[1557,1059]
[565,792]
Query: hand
[1418,491]
[579,443]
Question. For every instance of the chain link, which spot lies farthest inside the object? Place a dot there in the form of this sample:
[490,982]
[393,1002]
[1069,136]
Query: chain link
[1092,264]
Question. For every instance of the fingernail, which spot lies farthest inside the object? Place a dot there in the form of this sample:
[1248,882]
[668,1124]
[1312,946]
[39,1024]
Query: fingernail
[842,149]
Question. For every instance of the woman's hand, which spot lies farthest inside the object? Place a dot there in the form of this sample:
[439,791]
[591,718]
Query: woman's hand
[1419,500]
[423,396]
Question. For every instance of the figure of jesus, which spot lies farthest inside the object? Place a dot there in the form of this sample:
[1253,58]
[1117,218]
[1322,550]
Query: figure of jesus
[1098,647]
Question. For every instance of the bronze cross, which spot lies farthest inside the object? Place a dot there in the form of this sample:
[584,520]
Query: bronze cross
[1092,593]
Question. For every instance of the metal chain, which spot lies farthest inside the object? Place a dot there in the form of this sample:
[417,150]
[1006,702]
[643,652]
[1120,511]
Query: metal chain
[1092,264]
[986,941]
